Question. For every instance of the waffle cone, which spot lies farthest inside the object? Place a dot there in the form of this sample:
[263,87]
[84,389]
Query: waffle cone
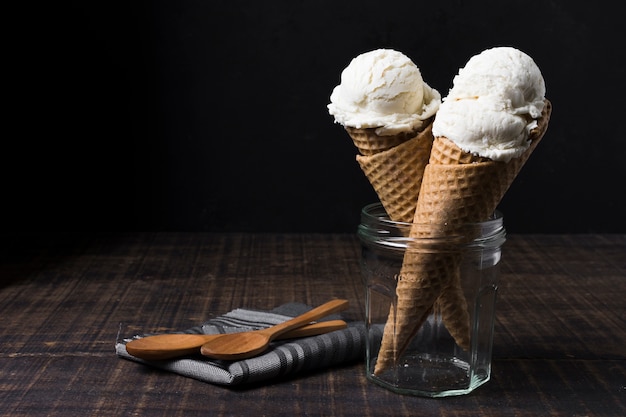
[457,189]
[368,142]
[396,174]
[452,306]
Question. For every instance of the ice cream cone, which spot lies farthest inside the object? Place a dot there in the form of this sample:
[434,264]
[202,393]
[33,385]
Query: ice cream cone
[457,188]
[452,306]
[368,142]
[387,108]
[396,174]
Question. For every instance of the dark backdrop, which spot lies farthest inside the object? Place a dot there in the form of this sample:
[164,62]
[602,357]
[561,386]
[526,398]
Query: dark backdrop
[211,115]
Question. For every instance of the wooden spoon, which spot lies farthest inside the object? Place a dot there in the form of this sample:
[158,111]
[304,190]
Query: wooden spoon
[234,346]
[167,346]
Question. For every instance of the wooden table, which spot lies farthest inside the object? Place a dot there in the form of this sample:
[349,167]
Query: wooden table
[559,345]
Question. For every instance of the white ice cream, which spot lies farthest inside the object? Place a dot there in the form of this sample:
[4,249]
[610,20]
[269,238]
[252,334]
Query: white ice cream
[493,104]
[383,89]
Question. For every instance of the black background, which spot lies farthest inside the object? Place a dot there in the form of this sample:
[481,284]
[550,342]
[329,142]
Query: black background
[211,115]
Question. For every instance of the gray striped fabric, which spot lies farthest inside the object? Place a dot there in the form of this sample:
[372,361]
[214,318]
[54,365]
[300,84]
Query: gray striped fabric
[282,359]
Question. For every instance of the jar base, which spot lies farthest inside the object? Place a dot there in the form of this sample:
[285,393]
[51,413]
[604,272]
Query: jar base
[429,376]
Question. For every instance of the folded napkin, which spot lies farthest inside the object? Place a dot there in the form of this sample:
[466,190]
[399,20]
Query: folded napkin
[281,359]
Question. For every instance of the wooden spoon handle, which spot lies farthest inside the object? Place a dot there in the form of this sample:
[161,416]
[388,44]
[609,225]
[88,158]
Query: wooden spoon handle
[314,329]
[323,310]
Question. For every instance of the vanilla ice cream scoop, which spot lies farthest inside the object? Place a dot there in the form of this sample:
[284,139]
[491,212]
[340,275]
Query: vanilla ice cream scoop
[383,89]
[493,104]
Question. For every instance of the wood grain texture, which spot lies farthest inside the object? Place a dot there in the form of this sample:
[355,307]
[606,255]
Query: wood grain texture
[558,345]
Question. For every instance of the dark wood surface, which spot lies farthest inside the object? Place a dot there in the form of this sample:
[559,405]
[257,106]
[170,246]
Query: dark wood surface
[559,345]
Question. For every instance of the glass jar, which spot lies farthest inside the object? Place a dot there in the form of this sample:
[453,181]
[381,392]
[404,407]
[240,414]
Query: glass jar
[436,356]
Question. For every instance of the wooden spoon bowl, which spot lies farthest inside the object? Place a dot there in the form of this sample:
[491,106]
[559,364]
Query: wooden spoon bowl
[235,346]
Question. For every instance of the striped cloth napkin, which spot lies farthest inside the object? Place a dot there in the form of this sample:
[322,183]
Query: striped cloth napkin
[283,358]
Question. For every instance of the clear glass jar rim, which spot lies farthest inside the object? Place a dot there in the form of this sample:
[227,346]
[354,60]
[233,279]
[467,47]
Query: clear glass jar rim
[377,229]
[367,212]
